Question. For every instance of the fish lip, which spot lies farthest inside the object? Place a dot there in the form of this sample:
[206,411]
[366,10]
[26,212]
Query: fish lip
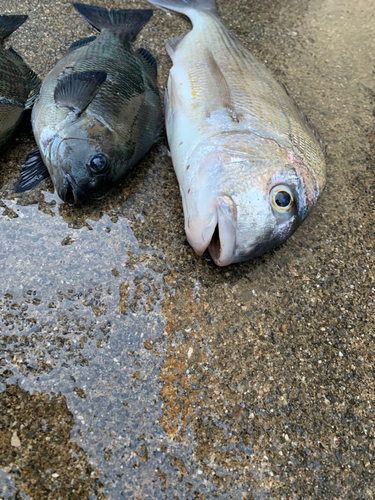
[69,192]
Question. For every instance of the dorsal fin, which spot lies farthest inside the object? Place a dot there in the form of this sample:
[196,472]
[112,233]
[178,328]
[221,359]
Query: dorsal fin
[77,90]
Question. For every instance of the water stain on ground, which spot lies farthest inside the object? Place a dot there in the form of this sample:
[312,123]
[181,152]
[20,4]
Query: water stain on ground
[158,375]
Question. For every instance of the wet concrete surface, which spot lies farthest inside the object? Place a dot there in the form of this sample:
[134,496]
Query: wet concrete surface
[130,367]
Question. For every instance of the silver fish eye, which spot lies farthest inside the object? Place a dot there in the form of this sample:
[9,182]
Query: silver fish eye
[281,198]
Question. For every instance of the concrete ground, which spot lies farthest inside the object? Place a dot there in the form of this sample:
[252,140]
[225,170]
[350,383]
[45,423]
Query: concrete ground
[130,367]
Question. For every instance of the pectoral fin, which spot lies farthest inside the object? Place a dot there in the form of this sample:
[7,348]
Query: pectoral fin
[33,171]
[77,90]
[221,96]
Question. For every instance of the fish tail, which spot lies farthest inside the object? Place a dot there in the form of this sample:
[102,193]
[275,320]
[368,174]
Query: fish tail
[184,6]
[127,23]
[8,24]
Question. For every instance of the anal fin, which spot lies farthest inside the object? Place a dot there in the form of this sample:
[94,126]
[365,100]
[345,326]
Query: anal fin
[33,171]
[77,90]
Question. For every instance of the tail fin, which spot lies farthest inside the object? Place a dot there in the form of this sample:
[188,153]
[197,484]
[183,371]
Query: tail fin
[183,6]
[8,24]
[127,23]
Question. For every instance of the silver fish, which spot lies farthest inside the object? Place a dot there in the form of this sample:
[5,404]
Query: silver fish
[249,164]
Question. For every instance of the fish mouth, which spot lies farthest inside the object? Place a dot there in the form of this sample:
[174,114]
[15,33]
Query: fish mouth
[219,235]
[69,195]
[69,192]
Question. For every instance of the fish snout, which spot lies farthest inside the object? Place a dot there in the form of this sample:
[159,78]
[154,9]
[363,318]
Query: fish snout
[219,234]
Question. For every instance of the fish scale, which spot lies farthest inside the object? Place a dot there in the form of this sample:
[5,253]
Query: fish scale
[99,110]
[18,84]
[249,164]
[113,95]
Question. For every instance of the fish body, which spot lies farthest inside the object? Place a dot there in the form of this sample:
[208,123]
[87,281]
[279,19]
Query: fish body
[99,110]
[249,164]
[19,85]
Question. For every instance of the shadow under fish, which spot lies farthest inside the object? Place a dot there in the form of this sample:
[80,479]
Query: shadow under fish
[19,85]
[99,111]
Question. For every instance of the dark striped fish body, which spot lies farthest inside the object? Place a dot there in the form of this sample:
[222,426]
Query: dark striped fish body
[99,110]
[248,162]
[18,84]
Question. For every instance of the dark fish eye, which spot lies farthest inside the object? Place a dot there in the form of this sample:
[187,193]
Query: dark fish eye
[281,198]
[98,164]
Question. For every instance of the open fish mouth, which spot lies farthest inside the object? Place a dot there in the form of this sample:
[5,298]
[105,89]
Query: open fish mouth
[69,192]
[69,195]
[219,235]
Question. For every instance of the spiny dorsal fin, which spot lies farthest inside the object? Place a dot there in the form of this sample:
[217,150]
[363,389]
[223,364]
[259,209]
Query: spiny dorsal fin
[149,58]
[8,24]
[77,90]
[81,43]
[127,23]
[33,171]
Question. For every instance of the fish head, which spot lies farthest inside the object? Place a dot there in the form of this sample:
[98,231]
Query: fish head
[242,200]
[85,159]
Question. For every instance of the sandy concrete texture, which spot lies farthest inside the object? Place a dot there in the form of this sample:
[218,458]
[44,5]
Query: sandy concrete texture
[130,367]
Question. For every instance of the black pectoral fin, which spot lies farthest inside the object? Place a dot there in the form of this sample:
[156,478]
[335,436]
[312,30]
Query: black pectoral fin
[149,58]
[77,90]
[81,43]
[33,171]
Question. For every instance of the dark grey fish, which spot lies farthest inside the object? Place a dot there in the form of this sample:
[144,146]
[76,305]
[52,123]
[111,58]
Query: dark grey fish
[19,85]
[98,113]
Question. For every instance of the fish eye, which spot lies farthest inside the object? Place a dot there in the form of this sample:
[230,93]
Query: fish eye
[98,164]
[281,198]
